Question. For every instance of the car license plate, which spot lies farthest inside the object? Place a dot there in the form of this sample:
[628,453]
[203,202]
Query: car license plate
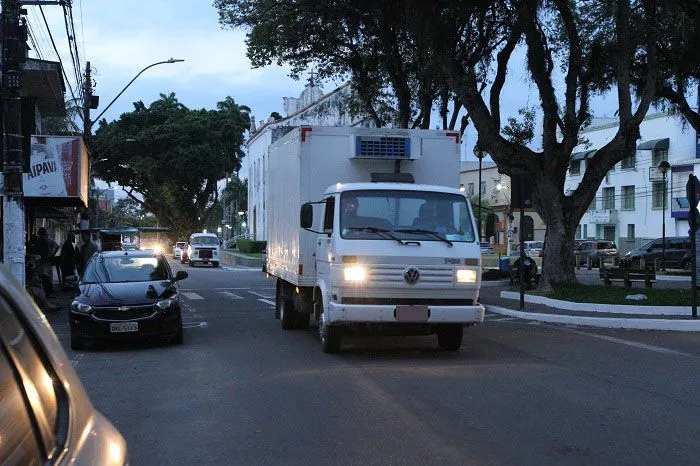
[119,327]
[412,313]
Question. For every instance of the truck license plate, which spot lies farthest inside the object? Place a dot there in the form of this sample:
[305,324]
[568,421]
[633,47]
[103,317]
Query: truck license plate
[119,327]
[412,313]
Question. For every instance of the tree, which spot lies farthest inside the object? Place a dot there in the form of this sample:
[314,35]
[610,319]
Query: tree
[234,199]
[170,157]
[129,212]
[366,41]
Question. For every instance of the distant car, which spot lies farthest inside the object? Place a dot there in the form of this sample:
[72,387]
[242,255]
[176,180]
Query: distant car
[47,417]
[594,251]
[178,248]
[127,294]
[677,254]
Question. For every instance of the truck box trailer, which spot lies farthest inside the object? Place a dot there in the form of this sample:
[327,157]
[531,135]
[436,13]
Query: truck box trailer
[366,228]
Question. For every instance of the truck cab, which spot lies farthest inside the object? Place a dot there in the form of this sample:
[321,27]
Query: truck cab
[395,256]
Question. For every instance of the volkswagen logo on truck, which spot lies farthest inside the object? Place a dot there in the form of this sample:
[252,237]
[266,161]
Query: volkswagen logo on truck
[411,275]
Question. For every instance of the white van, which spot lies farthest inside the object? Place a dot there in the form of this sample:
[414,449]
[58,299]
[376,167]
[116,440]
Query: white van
[203,248]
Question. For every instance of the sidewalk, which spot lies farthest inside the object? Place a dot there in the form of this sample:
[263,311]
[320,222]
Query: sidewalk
[498,298]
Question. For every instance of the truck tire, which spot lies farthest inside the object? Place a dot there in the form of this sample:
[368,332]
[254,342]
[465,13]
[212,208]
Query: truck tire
[331,336]
[284,304]
[278,293]
[450,338]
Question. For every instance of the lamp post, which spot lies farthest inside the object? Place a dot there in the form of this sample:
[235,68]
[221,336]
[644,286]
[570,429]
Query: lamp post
[480,154]
[503,188]
[664,167]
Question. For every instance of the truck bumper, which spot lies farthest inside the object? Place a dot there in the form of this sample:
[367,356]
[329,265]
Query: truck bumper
[340,313]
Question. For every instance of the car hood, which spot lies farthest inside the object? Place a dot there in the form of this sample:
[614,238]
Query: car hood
[132,293]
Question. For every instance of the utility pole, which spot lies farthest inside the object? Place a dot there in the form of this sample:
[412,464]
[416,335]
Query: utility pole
[87,135]
[13,56]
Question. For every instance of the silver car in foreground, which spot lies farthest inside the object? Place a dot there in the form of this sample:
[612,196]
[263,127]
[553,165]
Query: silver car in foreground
[45,415]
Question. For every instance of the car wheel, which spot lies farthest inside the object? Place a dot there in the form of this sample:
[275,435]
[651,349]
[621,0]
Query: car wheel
[331,336]
[450,338]
[76,343]
[179,337]
[191,263]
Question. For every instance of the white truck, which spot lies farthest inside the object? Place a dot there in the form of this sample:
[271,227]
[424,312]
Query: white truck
[366,228]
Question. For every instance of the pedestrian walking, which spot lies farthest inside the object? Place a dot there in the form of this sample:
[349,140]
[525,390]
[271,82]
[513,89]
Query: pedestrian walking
[87,250]
[44,247]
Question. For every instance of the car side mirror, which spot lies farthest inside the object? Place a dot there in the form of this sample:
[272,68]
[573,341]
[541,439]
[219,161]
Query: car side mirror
[306,215]
[181,275]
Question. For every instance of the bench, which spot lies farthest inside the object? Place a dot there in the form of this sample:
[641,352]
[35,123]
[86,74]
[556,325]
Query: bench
[629,272]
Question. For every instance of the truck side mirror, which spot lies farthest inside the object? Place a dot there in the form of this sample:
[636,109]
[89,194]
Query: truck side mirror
[306,215]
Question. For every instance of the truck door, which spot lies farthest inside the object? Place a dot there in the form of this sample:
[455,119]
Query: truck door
[323,242]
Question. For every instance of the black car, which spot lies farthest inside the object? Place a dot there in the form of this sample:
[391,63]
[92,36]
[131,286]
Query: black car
[677,254]
[592,252]
[127,294]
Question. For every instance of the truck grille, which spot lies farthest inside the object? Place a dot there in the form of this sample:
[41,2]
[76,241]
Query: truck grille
[204,253]
[409,301]
[392,276]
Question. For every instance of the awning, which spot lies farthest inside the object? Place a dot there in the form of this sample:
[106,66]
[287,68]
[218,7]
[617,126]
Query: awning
[587,154]
[49,212]
[654,144]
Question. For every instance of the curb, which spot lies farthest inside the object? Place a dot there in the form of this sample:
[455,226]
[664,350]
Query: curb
[602,322]
[604,308]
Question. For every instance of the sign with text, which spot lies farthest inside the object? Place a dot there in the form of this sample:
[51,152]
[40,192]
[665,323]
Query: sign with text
[58,168]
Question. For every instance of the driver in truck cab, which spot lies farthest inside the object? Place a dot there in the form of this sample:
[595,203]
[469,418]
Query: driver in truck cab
[431,218]
[349,212]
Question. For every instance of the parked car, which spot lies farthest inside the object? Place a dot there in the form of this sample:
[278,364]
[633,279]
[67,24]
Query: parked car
[178,248]
[47,417]
[127,294]
[594,251]
[677,253]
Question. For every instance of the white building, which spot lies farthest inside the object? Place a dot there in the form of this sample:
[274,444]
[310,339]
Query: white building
[496,197]
[630,204]
[311,108]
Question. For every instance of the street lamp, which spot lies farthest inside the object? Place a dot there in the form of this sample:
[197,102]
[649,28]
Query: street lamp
[480,153]
[171,60]
[664,167]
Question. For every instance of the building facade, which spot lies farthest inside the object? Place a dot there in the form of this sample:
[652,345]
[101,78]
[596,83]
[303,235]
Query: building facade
[311,108]
[635,200]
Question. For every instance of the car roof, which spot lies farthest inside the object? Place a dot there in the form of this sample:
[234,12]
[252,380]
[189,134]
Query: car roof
[203,234]
[130,253]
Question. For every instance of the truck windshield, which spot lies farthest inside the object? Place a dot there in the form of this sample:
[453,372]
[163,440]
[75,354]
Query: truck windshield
[407,215]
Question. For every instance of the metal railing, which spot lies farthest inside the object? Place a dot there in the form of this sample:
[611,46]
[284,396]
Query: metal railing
[231,242]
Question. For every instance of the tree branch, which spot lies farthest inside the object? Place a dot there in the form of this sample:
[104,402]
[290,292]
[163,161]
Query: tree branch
[503,58]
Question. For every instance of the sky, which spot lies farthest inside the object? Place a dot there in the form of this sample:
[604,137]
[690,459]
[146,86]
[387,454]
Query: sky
[120,38]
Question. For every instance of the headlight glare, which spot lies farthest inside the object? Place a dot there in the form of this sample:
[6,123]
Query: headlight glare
[80,307]
[466,276]
[355,274]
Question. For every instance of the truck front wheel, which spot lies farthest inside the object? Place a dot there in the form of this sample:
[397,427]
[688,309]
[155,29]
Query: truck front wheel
[450,338]
[331,336]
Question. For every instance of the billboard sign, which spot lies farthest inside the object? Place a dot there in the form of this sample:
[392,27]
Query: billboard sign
[58,168]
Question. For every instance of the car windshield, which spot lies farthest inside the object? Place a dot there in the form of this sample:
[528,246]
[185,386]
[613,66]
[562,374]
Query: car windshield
[121,269]
[405,215]
[207,240]
[180,245]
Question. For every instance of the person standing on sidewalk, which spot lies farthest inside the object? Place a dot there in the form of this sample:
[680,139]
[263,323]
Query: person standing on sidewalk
[46,248]
[86,251]
[69,258]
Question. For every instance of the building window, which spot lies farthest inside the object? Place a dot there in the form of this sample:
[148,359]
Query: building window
[470,189]
[575,167]
[483,188]
[657,195]
[629,161]
[593,204]
[630,231]
[628,198]
[608,198]
[585,230]
[657,156]
[578,232]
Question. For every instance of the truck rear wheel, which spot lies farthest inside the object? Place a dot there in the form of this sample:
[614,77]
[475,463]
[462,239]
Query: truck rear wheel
[450,338]
[284,307]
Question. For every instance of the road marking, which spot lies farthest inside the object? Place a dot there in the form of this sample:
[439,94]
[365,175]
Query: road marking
[77,359]
[192,296]
[194,325]
[229,288]
[261,295]
[230,295]
[633,344]
[267,301]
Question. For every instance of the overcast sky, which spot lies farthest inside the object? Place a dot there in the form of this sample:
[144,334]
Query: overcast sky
[122,37]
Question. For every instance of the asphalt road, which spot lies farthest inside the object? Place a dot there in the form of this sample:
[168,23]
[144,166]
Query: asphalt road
[242,391]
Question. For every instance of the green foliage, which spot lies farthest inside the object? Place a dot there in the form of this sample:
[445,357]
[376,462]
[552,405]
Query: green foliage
[521,131]
[170,157]
[128,212]
[251,246]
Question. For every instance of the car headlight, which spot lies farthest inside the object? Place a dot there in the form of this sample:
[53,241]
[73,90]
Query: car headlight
[355,274]
[629,254]
[80,307]
[466,276]
[157,249]
[166,303]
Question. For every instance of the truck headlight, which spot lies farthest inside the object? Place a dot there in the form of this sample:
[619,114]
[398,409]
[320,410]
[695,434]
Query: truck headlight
[355,274]
[80,307]
[466,276]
